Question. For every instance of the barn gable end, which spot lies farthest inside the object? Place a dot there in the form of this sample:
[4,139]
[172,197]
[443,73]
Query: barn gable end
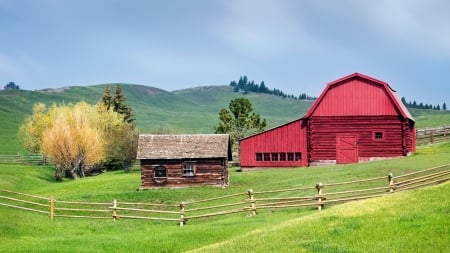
[358,118]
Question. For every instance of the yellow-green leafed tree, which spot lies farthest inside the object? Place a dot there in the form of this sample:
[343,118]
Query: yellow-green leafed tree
[30,132]
[73,140]
[119,139]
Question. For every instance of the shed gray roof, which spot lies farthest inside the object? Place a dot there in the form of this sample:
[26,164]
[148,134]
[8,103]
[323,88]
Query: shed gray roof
[183,146]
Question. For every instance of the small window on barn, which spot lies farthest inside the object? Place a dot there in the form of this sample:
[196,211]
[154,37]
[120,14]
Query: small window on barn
[266,156]
[160,172]
[290,156]
[378,136]
[298,156]
[258,157]
[188,170]
[274,156]
[282,156]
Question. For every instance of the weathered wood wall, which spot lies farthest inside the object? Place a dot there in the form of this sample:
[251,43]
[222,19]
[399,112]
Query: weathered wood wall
[212,171]
[322,132]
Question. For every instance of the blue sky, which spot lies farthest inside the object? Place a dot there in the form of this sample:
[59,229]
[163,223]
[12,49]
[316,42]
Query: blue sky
[295,46]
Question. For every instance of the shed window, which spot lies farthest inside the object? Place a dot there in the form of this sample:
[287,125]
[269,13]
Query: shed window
[160,172]
[274,156]
[266,156]
[282,156]
[378,135]
[258,157]
[188,170]
[298,156]
[290,156]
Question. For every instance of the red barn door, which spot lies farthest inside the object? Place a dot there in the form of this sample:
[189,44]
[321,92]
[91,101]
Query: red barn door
[346,149]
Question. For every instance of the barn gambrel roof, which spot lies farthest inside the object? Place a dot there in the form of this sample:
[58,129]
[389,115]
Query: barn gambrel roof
[184,146]
[391,94]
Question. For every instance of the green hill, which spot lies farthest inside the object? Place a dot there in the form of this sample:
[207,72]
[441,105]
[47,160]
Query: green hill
[193,110]
[184,111]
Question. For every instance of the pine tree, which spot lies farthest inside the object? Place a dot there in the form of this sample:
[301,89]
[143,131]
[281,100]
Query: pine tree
[107,98]
[444,107]
[120,107]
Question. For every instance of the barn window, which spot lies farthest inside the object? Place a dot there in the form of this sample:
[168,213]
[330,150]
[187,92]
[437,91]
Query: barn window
[290,156]
[160,172]
[378,135]
[298,156]
[266,156]
[282,156]
[258,157]
[188,170]
[274,156]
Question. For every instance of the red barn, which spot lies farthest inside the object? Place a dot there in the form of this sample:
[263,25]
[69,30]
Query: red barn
[356,118]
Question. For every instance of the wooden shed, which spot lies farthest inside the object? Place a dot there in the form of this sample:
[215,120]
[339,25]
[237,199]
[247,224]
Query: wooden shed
[356,118]
[184,160]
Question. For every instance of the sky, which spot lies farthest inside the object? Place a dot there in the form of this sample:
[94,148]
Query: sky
[297,46]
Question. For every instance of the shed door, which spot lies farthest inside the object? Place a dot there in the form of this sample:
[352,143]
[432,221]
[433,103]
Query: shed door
[346,149]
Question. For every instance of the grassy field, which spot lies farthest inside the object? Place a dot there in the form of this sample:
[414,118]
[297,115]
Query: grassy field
[404,222]
[415,221]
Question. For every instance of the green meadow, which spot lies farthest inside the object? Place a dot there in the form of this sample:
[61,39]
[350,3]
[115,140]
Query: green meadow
[409,221]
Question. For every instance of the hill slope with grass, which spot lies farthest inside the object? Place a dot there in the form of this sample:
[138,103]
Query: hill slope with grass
[184,111]
[193,110]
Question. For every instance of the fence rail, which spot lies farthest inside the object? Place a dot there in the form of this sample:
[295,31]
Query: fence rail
[23,159]
[248,202]
[431,135]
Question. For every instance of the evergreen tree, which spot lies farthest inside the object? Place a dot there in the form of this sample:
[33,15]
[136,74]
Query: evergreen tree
[107,98]
[117,103]
[404,101]
[444,107]
[11,86]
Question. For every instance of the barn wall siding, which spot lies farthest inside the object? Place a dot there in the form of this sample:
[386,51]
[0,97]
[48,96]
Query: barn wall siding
[290,137]
[323,132]
[208,172]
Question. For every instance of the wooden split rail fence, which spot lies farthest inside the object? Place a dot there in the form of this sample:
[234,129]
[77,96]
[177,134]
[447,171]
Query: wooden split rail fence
[250,202]
[432,135]
[23,159]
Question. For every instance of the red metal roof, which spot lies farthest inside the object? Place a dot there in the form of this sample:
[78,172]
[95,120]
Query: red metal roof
[358,94]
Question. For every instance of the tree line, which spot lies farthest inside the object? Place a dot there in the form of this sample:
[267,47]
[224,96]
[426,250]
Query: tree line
[421,105]
[244,85]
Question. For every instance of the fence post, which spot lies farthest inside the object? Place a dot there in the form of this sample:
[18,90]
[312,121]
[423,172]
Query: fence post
[391,182]
[251,195]
[52,208]
[319,187]
[182,214]
[114,214]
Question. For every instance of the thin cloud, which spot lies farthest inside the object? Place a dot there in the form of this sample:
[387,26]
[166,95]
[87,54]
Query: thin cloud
[423,25]
[263,28]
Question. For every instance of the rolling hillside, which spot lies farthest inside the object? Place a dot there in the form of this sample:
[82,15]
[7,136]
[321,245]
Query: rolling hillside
[184,111]
[193,110]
